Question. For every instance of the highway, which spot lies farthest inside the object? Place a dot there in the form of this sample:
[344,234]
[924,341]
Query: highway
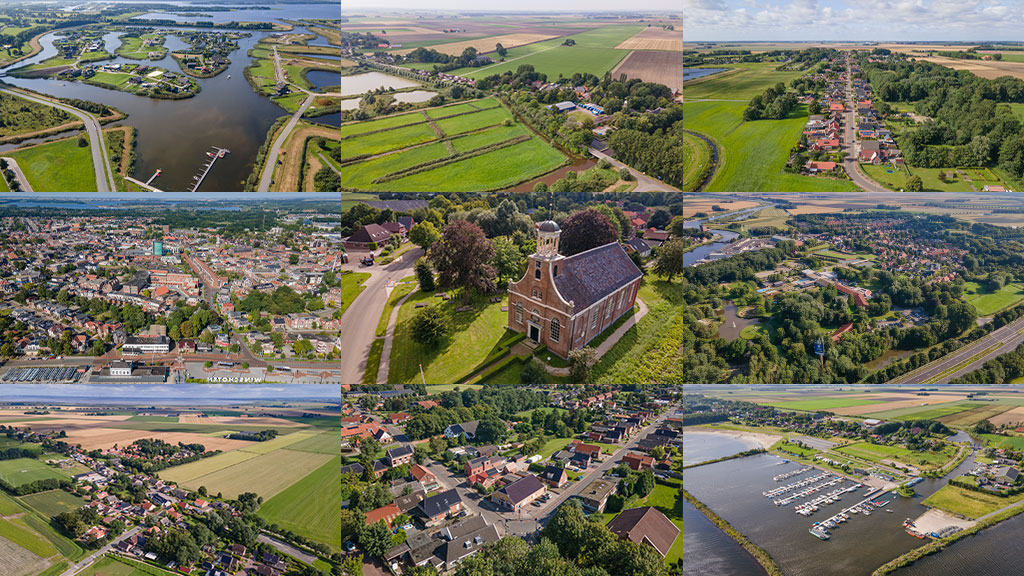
[101,164]
[959,362]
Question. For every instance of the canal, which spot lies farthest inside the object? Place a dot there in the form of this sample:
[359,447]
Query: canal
[174,135]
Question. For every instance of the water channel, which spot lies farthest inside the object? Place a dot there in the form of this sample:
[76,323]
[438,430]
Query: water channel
[174,135]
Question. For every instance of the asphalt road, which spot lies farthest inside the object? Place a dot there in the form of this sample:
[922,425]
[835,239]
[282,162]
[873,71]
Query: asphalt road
[275,150]
[944,369]
[19,175]
[75,568]
[101,165]
[644,182]
[359,323]
[850,164]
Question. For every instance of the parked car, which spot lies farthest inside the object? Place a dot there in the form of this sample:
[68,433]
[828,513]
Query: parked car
[367,261]
[349,546]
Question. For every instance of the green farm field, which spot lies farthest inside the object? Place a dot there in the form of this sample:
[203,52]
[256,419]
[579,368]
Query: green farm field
[323,443]
[752,79]
[753,154]
[310,506]
[193,470]
[931,411]
[878,452]
[57,166]
[997,441]
[24,470]
[594,53]
[987,302]
[896,178]
[971,417]
[967,503]
[409,142]
[53,502]
[266,474]
[696,158]
[277,443]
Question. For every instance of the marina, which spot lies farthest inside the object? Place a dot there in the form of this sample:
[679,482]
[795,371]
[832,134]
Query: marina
[214,156]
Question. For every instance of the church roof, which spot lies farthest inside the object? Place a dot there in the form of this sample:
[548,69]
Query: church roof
[589,276]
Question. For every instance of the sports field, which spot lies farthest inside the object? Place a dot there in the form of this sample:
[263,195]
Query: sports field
[310,506]
[463,147]
[24,470]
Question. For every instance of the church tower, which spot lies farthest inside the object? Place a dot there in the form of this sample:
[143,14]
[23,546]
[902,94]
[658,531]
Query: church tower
[548,233]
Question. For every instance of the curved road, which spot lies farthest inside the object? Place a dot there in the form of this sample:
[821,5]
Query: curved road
[644,182]
[100,162]
[271,161]
[18,175]
[359,323]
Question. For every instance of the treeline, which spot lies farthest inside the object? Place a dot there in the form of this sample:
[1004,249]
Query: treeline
[969,127]
[999,370]
[704,418]
[13,453]
[659,153]
[261,436]
[35,486]
[207,24]
[774,104]
[446,62]
[969,55]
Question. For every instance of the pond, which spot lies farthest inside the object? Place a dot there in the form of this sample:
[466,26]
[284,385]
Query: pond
[694,73]
[415,96]
[363,83]
[323,78]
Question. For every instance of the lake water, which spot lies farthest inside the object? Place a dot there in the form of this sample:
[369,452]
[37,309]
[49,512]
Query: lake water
[362,83]
[733,490]
[733,325]
[703,446]
[694,73]
[993,552]
[415,96]
[697,254]
[322,78]
[711,552]
[174,135]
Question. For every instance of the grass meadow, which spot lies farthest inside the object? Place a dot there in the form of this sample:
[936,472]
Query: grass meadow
[696,157]
[987,302]
[24,470]
[57,166]
[310,506]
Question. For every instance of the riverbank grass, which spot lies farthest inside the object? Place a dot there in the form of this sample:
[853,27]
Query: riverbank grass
[57,166]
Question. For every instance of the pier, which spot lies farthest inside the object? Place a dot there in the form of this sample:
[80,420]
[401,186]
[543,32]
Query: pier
[864,507]
[153,177]
[220,152]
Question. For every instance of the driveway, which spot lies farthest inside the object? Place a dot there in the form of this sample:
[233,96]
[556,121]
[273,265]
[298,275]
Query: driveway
[359,323]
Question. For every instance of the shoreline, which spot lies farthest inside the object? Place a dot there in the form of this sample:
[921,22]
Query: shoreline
[749,438]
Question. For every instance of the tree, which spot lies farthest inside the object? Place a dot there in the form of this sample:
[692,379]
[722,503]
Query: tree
[670,259]
[581,360]
[501,50]
[584,230]
[660,219]
[430,326]
[490,430]
[914,184]
[462,258]
[508,261]
[423,234]
[375,539]
[533,373]
[425,276]
[658,453]
[625,174]
[369,447]
[82,142]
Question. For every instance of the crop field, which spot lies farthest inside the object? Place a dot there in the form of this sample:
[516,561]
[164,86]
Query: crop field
[825,403]
[987,302]
[266,474]
[660,67]
[740,86]
[277,443]
[323,443]
[109,566]
[465,147]
[310,506]
[1012,416]
[997,441]
[16,560]
[593,52]
[53,502]
[990,69]
[654,38]
[753,154]
[971,417]
[193,470]
[924,412]
[24,470]
[486,44]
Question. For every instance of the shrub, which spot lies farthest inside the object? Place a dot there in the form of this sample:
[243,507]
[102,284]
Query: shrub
[431,326]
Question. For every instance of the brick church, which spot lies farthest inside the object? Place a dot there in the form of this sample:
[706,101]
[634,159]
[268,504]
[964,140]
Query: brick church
[564,302]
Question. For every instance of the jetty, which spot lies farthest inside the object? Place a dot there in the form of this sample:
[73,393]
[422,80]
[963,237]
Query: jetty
[214,156]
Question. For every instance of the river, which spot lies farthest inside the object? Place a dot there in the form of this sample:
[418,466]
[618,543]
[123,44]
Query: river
[694,256]
[174,135]
[733,490]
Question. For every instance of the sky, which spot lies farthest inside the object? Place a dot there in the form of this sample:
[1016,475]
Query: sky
[518,5]
[853,20]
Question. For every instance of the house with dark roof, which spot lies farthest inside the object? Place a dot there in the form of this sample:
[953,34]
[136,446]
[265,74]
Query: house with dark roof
[399,456]
[519,493]
[407,221]
[467,428]
[553,476]
[639,246]
[595,496]
[367,238]
[353,468]
[564,302]
[434,510]
[645,525]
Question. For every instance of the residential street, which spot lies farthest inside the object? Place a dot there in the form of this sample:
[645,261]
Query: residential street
[359,323]
[850,163]
[75,568]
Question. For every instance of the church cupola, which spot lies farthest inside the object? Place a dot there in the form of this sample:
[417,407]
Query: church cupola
[547,239]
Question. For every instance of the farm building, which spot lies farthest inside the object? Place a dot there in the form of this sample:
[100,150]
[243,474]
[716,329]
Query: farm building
[562,106]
